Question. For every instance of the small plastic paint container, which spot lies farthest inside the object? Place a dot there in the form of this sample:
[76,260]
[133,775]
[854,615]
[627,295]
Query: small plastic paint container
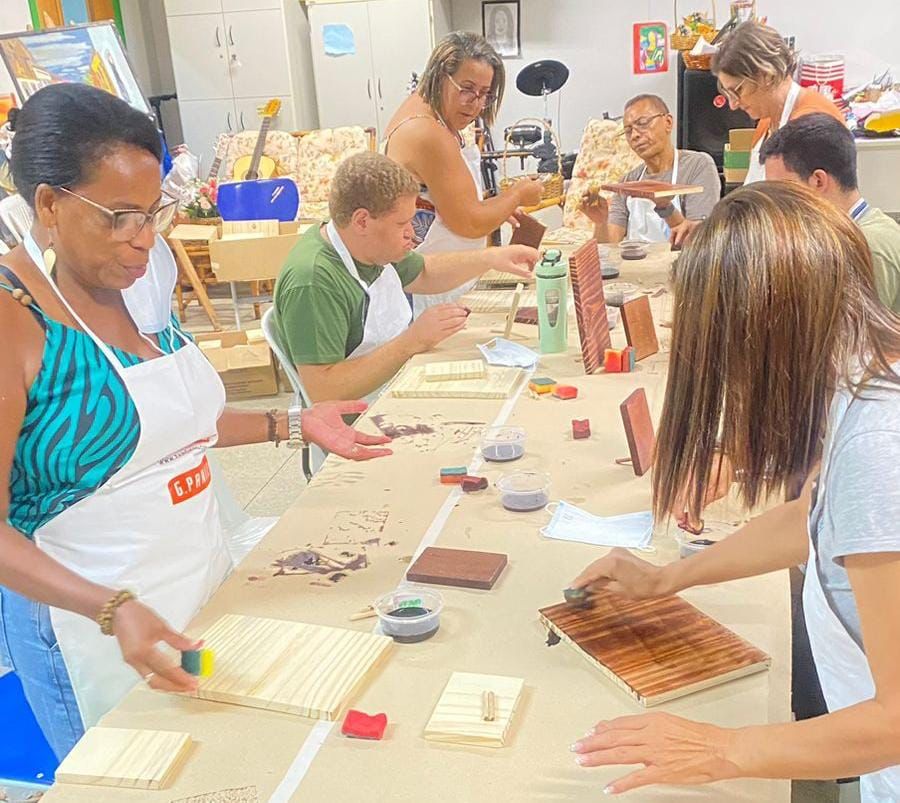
[503,444]
[633,249]
[617,293]
[410,614]
[524,491]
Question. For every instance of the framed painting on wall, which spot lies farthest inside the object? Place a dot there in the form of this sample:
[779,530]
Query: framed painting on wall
[500,25]
[650,48]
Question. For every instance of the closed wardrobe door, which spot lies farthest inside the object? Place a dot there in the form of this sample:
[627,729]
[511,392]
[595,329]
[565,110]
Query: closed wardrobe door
[200,56]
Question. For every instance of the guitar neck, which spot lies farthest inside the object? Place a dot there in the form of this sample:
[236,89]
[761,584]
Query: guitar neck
[253,172]
[214,169]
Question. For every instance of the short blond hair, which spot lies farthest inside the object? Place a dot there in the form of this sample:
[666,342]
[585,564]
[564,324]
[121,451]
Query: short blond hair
[755,52]
[368,181]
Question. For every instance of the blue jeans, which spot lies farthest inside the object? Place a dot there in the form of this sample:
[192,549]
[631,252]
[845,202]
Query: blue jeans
[28,645]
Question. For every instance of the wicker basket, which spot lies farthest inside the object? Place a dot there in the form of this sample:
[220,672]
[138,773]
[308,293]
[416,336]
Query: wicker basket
[703,62]
[552,183]
[684,42]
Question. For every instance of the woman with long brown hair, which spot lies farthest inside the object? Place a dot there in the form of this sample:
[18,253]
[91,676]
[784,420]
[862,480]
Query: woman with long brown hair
[463,80]
[783,354]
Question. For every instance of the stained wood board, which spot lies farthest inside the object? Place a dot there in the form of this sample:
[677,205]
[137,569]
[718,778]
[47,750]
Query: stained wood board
[655,650]
[458,716]
[454,370]
[638,431]
[530,231]
[651,189]
[299,668]
[590,305]
[465,568]
[639,329]
[122,757]
[497,383]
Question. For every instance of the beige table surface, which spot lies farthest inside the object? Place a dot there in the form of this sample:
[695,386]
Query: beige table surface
[494,632]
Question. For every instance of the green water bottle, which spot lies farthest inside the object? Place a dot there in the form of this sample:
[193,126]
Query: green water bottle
[553,302]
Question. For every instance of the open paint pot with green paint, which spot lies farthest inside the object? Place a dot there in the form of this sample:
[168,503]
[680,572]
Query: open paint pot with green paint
[410,614]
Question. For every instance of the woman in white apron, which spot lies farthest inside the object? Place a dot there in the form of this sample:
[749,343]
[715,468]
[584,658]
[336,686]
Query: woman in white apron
[755,69]
[463,80]
[799,346]
[111,536]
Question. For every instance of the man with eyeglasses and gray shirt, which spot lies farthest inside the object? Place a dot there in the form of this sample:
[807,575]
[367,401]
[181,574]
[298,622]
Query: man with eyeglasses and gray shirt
[648,128]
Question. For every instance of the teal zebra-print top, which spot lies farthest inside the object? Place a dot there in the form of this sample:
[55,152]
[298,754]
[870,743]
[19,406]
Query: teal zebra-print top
[80,424]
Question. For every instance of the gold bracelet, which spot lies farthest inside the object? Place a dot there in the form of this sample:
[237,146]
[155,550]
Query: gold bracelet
[108,611]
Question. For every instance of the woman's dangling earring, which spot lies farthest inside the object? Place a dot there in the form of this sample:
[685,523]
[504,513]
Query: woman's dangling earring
[49,259]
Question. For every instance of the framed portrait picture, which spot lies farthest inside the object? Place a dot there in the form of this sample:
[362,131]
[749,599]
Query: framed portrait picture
[500,25]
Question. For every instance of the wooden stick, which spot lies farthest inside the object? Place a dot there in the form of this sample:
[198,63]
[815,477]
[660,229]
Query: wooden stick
[489,706]
[513,309]
[184,262]
[366,613]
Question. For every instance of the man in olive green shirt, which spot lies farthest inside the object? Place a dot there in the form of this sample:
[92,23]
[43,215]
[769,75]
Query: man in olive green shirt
[347,341]
[818,151]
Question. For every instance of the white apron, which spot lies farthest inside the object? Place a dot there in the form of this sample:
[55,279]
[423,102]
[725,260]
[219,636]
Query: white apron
[388,314]
[439,239]
[841,665]
[757,172]
[153,527]
[644,223]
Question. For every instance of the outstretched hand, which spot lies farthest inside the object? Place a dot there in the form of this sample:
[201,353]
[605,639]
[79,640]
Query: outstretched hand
[323,425]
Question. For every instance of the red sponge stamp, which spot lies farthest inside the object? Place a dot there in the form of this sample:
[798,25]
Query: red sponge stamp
[565,392]
[358,725]
[581,429]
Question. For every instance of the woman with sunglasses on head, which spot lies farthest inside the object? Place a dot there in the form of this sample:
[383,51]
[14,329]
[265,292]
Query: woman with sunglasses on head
[463,80]
[110,539]
[784,353]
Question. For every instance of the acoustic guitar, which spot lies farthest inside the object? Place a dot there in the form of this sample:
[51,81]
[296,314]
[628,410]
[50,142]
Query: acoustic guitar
[222,143]
[258,165]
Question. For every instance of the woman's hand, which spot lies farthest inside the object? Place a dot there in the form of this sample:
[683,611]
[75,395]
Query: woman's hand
[530,191]
[673,751]
[322,425]
[718,484]
[138,631]
[622,573]
[595,206]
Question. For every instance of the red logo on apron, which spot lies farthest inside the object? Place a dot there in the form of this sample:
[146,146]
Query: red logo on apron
[187,485]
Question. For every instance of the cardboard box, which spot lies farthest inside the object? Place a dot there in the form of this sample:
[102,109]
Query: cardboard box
[244,257]
[736,160]
[244,362]
[735,175]
[741,139]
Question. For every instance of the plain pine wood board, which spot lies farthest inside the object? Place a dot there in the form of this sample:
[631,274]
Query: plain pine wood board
[496,300]
[638,431]
[455,370]
[132,759]
[530,231]
[590,305]
[465,568]
[651,189]
[656,650]
[497,383]
[639,329]
[458,716]
[303,669]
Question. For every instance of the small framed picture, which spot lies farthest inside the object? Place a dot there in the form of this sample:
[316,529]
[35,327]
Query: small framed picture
[500,24]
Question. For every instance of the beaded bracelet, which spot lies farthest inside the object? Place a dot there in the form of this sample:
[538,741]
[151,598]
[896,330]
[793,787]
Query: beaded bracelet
[108,611]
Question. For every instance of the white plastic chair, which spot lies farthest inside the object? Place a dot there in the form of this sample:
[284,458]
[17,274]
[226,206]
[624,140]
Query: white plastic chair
[16,215]
[316,454]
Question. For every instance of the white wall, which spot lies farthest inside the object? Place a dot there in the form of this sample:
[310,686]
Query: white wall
[593,38]
[14,16]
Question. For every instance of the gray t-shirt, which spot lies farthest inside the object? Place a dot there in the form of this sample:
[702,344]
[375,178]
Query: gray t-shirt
[694,167]
[860,510]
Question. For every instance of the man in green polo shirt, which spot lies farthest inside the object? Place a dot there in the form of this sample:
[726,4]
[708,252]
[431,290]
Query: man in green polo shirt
[341,306]
[818,151]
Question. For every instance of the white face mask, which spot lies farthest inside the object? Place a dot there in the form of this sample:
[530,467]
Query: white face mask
[149,299]
[571,523]
[500,351]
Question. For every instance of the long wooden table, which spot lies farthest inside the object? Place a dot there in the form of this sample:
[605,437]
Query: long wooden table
[489,632]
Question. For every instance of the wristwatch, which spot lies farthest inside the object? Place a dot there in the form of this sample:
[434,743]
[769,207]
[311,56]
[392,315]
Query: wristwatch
[666,211]
[295,429]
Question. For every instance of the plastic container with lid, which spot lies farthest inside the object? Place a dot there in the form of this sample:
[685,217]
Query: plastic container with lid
[633,249]
[524,491]
[503,444]
[617,293]
[410,614]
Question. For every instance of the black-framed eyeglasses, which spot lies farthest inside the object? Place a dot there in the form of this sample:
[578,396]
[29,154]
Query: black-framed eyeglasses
[126,224]
[642,123]
[467,95]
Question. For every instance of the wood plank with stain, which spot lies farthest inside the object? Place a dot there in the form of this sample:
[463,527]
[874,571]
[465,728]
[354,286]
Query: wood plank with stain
[638,431]
[640,332]
[530,231]
[648,188]
[655,650]
[124,757]
[590,305]
[464,568]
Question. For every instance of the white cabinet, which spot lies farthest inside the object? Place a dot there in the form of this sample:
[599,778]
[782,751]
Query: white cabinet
[230,57]
[392,39]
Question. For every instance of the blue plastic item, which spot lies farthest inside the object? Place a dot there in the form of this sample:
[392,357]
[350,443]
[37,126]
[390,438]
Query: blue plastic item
[25,757]
[261,199]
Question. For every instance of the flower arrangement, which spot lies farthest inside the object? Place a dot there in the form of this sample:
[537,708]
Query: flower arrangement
[203,198]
